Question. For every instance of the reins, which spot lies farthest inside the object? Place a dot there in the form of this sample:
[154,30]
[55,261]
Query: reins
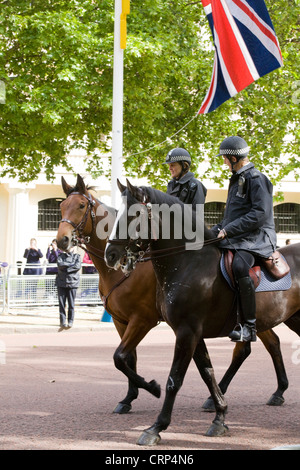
[174,250]
[163,251]
[155,253]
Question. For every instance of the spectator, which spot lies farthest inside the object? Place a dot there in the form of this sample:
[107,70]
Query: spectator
[3,264]
[288,241]
[67,281]
[51,258]
[88,269]
[32,255]
[51,255]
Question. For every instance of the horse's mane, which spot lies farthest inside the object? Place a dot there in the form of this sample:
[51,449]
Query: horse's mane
[77,189]
[158,197]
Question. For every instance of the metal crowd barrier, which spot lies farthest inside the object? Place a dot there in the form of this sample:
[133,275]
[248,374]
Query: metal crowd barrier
[30,290]
[2,290]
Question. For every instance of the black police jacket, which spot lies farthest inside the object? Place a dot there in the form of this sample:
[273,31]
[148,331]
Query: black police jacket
[188,189]
[248,218]
[68,274]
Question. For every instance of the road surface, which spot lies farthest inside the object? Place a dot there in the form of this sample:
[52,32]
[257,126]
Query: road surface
[58,391]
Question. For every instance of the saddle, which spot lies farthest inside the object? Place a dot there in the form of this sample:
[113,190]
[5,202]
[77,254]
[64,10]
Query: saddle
[275,265]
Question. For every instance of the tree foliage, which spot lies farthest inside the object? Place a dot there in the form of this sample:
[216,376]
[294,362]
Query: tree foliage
[56,60]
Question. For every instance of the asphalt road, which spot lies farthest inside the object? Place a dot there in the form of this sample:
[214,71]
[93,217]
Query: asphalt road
[58,391]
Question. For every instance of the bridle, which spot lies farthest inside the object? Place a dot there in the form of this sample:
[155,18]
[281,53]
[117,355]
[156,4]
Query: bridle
[79,228]
[83,240]
[142,253]
[137,255]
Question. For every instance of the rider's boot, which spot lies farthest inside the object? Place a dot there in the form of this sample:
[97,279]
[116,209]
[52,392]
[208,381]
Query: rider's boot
[247,331]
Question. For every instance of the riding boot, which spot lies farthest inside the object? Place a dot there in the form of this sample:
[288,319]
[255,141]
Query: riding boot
[247,331]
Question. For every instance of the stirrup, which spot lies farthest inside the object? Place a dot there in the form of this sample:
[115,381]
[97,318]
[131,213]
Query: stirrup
[237,335]
[238,330]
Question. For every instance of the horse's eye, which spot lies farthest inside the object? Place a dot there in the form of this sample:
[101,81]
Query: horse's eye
[82,205]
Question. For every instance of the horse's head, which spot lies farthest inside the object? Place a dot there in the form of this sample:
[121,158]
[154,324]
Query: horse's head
[130,234]
[147,215]
[77,214]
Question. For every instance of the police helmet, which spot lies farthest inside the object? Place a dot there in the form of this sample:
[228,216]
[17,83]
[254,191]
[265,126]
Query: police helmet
[234,146]
[178,155]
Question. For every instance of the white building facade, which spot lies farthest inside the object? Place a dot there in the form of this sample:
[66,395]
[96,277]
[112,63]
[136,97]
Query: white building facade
[23,208]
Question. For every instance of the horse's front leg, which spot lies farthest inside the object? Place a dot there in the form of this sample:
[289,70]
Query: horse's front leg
[184,350]
[203,363]
[125,361]
[124,406]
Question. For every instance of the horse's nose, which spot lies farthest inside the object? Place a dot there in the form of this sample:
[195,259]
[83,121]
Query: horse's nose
[63,243]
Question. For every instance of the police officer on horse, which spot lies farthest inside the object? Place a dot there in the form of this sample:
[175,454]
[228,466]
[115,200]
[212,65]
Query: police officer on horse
[247,228]
[183,184]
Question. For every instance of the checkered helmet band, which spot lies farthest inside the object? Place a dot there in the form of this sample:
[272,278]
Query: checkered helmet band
[178,155]
[234,145]
[240,152]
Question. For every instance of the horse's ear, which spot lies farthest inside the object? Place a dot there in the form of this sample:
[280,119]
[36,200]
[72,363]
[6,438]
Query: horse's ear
[137,193]
[80,184]
[66,187]
[121,186]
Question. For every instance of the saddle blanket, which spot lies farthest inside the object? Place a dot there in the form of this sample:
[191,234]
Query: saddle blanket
[267,283]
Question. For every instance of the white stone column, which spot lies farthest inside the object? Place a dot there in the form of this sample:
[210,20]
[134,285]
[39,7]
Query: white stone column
[19,227]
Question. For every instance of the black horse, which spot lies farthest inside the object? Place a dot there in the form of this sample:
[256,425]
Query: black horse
[194,298]
[132,300]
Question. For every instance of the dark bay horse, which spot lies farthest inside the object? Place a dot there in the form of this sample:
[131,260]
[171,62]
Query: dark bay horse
[195,299]
[132,300]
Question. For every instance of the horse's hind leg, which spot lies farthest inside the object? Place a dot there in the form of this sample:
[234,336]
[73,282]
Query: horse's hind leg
[272,345]
[294,323]
[240,353]
[202,361]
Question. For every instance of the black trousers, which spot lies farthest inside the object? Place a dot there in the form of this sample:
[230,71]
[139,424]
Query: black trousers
[242,262]
[66,294]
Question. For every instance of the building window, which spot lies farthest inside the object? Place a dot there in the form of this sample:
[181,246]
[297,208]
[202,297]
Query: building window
[213,213]
[287,218]
[49,214]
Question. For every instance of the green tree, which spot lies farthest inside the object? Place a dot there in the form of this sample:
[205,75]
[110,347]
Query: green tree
[56,60]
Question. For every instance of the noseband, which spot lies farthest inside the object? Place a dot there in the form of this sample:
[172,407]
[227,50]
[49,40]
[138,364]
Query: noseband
[132,257]
[81,225]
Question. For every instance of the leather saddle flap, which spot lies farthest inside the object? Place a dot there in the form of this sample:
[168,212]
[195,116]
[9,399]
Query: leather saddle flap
[254,272]
[276,265]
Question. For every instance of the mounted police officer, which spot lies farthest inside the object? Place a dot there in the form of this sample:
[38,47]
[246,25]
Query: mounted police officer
[184,185]
[247,227]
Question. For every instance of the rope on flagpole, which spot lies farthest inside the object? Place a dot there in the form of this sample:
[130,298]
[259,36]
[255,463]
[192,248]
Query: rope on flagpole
[166,140]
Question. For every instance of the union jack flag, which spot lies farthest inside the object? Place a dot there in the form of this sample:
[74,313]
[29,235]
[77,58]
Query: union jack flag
[246,47]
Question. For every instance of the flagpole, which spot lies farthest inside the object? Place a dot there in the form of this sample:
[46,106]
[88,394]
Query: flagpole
[117,114]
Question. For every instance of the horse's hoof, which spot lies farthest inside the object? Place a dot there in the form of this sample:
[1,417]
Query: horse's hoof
[209,405]
[275,401]
[148,438]
[217,429]
[122,408]
[154,388]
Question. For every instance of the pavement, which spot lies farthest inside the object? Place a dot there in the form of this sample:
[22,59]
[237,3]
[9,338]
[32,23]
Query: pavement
[46,320]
